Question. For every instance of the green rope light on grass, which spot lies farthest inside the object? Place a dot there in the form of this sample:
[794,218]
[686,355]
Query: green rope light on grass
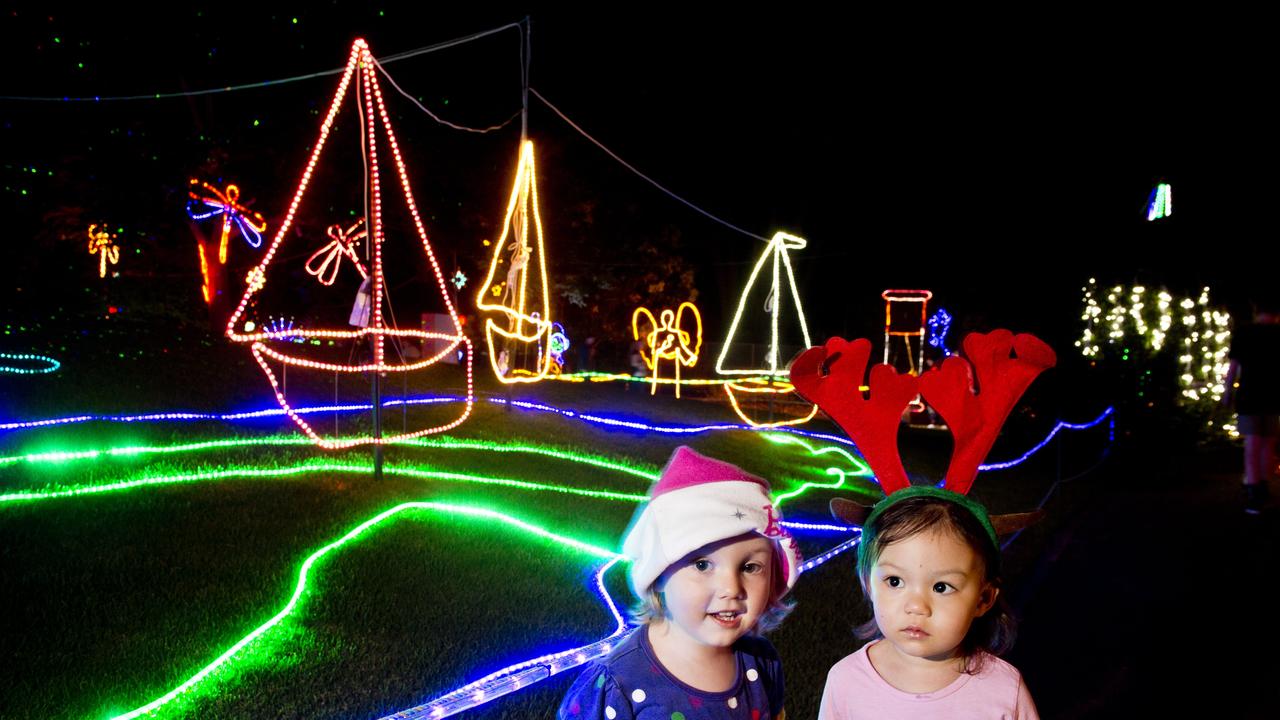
[59,456]
[120,485]
[257,473]
[861,468]
[307,564]
[650,474]
[442,443]
[522,484]
[419,472]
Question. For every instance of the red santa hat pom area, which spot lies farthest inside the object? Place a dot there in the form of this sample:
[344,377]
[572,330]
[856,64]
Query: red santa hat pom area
[697,501]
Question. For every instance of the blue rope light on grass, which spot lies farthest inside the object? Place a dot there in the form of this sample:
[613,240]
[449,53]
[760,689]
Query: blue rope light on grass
[1108,413]
[522,674]
[585,417]
[818,527]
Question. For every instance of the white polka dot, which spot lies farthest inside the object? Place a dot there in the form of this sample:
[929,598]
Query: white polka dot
[610,713]
[733,703]
[637,696]
[752,675]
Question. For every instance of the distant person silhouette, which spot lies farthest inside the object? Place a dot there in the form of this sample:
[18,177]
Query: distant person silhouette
[1253,387]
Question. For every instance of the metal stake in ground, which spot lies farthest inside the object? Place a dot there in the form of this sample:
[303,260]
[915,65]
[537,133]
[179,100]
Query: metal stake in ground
[377,417]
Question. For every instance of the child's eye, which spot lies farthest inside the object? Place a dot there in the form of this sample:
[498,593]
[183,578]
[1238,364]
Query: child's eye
[702,565]
[753,568]
[942,588]
[893,581]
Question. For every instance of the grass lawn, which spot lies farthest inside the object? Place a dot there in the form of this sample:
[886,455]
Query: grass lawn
[177,553]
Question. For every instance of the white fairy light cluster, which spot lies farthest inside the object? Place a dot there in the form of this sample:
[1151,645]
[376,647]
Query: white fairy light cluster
[1122,317]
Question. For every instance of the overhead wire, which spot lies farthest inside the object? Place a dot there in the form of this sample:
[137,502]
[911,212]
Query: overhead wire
[437,118]
[265,83]
[633,169]
[526,90]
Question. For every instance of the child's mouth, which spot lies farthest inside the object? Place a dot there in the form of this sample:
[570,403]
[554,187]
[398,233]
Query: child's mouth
[728,618]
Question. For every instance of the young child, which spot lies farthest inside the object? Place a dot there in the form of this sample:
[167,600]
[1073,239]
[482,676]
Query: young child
[928,559]
[710,564]
[929,564]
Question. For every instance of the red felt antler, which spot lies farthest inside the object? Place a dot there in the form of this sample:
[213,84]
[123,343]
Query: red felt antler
[831,378]
[1004,365]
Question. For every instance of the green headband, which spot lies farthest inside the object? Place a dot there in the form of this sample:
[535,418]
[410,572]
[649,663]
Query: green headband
[964,501]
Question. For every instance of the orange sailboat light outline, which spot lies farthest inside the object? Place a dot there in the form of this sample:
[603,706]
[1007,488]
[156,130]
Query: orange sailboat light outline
[377,332]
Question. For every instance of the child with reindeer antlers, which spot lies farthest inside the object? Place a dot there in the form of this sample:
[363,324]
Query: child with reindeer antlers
[929,559]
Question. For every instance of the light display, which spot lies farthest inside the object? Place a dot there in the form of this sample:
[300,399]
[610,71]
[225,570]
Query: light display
[24,360]
[207,281]
[522,674]
[207,201]
[254,281]
[558,345]
[648,474]
[1108,415]
[630,424]
[668,339]
[859,468]
[525,303]
[416,472]
[594,376]
[282,328]
[459,280]
[1121,319]
[307,586]
[509,679]
[376,126]
[103,243]
[302,469]
[341,242]
[304,571]
[1160,204]
[939,324]
[487,688]
[753,387]
[904,329]
[645,474]
[775,253]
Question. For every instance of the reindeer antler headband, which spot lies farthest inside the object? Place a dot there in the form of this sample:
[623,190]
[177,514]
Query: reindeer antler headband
[974,396]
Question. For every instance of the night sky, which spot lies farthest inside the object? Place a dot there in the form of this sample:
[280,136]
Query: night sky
[998,161]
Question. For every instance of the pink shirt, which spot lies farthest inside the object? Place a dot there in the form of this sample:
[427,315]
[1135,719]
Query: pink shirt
[855,690]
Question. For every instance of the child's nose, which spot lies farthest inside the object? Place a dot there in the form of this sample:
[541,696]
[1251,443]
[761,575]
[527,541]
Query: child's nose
[730,585]
[917,604]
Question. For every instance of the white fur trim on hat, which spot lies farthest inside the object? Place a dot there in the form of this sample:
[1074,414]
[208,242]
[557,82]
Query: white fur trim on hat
[694,513]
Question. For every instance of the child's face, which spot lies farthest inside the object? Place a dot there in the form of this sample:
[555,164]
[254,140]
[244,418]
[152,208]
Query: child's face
[927,590]
[717,593]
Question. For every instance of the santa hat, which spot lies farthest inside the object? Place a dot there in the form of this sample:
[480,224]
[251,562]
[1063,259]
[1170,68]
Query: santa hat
[698,501]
